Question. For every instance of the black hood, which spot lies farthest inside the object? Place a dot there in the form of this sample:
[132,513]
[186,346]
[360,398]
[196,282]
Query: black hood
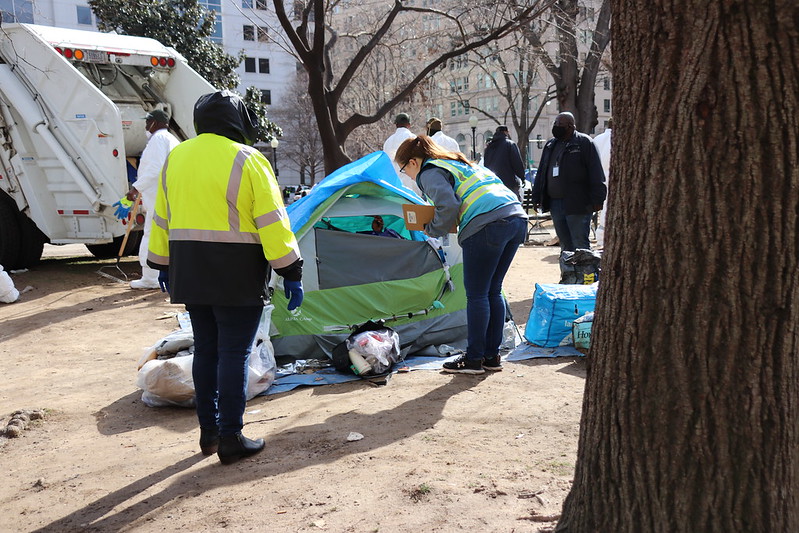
[499,136]
[225,114]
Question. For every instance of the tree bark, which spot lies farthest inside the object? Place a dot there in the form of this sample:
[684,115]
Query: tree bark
[691,413]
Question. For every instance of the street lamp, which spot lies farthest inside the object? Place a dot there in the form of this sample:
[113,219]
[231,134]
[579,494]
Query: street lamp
[473,124]
[274,143]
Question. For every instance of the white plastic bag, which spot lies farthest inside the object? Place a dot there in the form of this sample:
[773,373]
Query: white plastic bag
[167,382]
[8,293]
[170,345]
[262,366]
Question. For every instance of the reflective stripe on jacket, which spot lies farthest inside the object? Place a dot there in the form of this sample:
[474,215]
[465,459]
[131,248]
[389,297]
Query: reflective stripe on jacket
[219,217]
[479,190]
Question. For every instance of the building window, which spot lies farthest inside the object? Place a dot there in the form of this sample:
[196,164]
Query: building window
[256,4]
[249,64]
[263,34]
[266,97]
[16,11]
[246,4]
[248,32]
[453,109]
[607,84]
[216,6]
[217,35]
[607,106]
[84,15]
[263,65]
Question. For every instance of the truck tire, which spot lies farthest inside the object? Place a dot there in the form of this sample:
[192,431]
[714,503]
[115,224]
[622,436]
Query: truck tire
[31,243]
[10,235]
[111,249]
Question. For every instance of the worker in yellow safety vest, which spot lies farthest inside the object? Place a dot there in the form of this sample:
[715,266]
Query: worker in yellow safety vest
[219,218]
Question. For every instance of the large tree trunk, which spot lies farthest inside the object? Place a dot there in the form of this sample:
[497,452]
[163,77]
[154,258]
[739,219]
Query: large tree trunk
[691,413]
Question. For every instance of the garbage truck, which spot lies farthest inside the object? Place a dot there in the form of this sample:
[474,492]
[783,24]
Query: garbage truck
[72,113]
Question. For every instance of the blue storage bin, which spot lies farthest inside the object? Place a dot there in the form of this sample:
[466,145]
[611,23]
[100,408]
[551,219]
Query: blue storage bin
[555,308]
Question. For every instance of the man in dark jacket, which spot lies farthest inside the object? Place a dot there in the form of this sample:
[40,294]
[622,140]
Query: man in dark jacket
[570,183]
[502,157]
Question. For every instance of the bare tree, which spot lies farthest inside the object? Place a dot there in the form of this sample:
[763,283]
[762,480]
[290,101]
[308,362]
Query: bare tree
[575,77]
[300,142]
[691,413]
[509,68]
[394,29]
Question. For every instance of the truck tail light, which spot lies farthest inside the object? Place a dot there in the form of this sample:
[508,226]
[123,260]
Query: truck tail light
[170,62]
[78,55]
[67,53]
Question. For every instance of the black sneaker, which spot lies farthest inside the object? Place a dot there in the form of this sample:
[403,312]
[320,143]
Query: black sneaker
[461,365]
[492,363]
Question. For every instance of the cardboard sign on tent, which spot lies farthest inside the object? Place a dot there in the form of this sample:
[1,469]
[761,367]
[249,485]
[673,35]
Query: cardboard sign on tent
[351,275]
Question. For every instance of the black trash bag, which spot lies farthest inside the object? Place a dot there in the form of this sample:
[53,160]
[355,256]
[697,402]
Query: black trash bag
[581,267]
[376,347]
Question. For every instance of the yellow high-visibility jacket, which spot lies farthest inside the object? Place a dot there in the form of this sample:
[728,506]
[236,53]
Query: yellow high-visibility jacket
[219,217]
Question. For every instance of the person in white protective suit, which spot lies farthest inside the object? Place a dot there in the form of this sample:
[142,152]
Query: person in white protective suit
[602,143]
[434,126]
[403,123]
[160,143]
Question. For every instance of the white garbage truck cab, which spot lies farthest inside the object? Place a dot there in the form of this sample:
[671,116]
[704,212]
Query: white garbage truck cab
[72,113]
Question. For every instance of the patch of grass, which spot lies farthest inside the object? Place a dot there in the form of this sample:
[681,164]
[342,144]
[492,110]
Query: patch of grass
[420,493]
[561,468]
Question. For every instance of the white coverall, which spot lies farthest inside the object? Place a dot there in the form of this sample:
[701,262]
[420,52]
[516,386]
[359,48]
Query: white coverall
[602,143]
[390,147]
[152,160]
[446,141]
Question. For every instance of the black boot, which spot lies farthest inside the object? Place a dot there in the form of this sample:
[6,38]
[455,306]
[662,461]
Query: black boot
[209,440]
[235,447]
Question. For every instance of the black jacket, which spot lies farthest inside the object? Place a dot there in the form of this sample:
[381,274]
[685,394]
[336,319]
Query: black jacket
[581,168]
[502,157]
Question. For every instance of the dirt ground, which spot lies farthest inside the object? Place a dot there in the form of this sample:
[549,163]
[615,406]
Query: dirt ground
[440,452]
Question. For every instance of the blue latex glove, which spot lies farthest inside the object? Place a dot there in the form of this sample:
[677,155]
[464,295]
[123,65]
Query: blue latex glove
[123,208]
[163,280]
[293,293]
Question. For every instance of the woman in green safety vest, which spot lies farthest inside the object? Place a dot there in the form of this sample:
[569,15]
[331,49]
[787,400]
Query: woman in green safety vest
[491,227]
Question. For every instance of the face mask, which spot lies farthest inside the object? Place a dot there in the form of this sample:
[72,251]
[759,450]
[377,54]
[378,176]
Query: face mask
[148,134]
[559,132]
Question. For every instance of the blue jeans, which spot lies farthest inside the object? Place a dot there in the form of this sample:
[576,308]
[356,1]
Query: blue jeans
[487,255]
[223,336]
[572,230]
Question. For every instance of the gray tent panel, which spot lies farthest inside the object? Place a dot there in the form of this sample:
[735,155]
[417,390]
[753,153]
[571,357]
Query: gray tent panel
[344,259]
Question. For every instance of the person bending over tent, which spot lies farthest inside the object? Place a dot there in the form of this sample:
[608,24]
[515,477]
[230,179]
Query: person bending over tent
[219,217]
[491,227]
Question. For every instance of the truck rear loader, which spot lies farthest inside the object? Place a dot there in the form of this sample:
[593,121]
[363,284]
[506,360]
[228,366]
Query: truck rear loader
[72,113]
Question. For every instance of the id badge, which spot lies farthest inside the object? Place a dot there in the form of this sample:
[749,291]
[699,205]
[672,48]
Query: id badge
[555,172]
